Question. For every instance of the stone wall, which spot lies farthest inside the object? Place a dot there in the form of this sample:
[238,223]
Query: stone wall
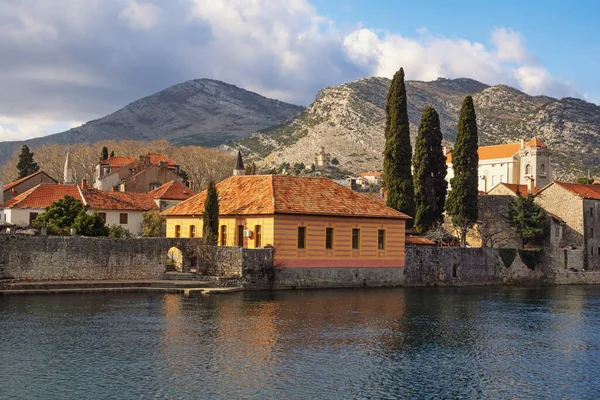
[79,258]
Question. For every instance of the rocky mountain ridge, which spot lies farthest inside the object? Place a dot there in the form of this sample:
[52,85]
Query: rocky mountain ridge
[348,121]
[202,111]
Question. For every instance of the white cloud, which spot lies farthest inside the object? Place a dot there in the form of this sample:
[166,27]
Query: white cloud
[141,16]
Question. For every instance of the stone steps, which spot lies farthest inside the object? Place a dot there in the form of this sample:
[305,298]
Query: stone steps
[179,276]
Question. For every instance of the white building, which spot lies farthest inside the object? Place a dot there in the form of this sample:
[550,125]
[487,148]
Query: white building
[524,163]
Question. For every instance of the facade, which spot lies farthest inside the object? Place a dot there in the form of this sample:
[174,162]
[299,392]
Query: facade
[575,207]
[524,163]
[124,209]
[24,184]
[310,222]
[170,194]
[127,174]
[322,159]
[370,178]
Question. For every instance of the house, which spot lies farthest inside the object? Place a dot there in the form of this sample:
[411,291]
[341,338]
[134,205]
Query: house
[511,189]
[577,207]
[370,178]
[513,163]
[24,184]
[115,208]
[170,194]
[310,222]
[127,174]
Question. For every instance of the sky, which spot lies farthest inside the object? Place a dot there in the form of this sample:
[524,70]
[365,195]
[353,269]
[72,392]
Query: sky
[65,62]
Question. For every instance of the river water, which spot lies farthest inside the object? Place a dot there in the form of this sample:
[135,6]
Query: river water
[337,344]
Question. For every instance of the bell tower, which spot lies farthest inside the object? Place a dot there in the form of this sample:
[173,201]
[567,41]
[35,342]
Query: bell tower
[535,164]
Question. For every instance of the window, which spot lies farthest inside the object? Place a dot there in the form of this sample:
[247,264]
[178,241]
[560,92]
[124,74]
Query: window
[592,233]
[329,238]
[542,170]
[154,186]
[102,217]
[592,250]
[223,240]
[177,231]
[502,179]
[381,239]
[494,180]
[592,212]
[257,236]
[105,170]
[192,231]
[240,235]
[528,169]
[355,239]
[301,237]
[32,217]
[123,218]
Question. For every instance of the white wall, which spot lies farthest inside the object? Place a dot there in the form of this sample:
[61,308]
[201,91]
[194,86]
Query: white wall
[20,216]
[134,219]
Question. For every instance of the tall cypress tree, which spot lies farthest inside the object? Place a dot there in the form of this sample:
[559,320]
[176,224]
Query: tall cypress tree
[210,216]
[397,177]
[104,155]
[430,169]
[462,200]
[26,165]
[112,154]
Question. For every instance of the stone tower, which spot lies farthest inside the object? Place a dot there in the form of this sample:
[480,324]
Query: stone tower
[68,172]
[322,159]
[535,163]
[239,165]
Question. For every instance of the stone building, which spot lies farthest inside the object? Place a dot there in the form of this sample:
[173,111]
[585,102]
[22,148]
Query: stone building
[576,206]
[322,159]
[24,184]
[524,163]
[127,174]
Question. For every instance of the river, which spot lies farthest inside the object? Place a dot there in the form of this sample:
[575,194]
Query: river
[336,344]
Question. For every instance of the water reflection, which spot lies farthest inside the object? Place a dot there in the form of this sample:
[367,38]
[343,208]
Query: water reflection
[400,343]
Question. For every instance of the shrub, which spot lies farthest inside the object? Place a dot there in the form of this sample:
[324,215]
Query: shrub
[117,231]
[507,256]
[530,257]
[154,224]
[89,225]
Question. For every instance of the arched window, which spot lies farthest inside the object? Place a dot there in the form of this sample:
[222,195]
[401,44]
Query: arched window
[528,169]
[543,169]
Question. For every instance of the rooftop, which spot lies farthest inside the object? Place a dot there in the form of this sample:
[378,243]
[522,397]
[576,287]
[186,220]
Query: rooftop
[118,162]
[156,158]
[591,192]
[278,194]
[172,191]
[501,150]
[42,195]
[11,185]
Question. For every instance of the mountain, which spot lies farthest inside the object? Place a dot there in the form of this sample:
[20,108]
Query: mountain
[348,121]
[203,111]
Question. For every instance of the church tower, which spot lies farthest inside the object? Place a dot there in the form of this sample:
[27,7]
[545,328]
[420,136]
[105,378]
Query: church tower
[68,172]
[535,164]
[239,165]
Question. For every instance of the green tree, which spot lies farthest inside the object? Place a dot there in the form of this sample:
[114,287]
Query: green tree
[117,231]
[154,224]
[462,202]
[397,177]
[210,216]
[112,154]
[584,180]
[89,224]
[26,165]
[430,169]
[528,218]
[104,155]
[298,168]
[60,216]
[335,161]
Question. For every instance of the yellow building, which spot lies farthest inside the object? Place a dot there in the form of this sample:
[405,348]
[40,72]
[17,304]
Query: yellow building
[310,222]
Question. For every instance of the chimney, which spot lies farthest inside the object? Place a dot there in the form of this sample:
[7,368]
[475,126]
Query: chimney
[522,143]
[145,160]
[14,192]
[531,186]
[446,150]
[162,164]
[114,189]
[84,183]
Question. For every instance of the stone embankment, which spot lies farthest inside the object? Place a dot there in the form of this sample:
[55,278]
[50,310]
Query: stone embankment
[71,259]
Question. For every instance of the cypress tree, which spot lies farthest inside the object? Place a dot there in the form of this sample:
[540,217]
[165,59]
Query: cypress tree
[26,165]
[463,198]
[397,177]
[210,216]
[112,154]
[430,169]
[104,155]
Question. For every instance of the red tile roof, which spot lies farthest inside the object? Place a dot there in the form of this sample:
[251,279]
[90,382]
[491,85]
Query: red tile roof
[591,192]
[118,162]
[41,196]
[375,174]
[513,187]
[156,158]
[11,185]
[278,194]
[172,191]
[418,241]
[102,200]
[535,142]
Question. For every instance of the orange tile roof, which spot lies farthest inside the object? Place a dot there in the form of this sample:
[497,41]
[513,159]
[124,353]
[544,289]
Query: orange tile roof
[156,158]
[278,194]
[172,191]
[591,192]
[513,187]
[102,200]
[11,185]
[492,152]
[118,162]
[41,196]
[535,142]
[419,241]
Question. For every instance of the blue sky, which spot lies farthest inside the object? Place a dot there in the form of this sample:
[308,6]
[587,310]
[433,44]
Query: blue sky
[65,62]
